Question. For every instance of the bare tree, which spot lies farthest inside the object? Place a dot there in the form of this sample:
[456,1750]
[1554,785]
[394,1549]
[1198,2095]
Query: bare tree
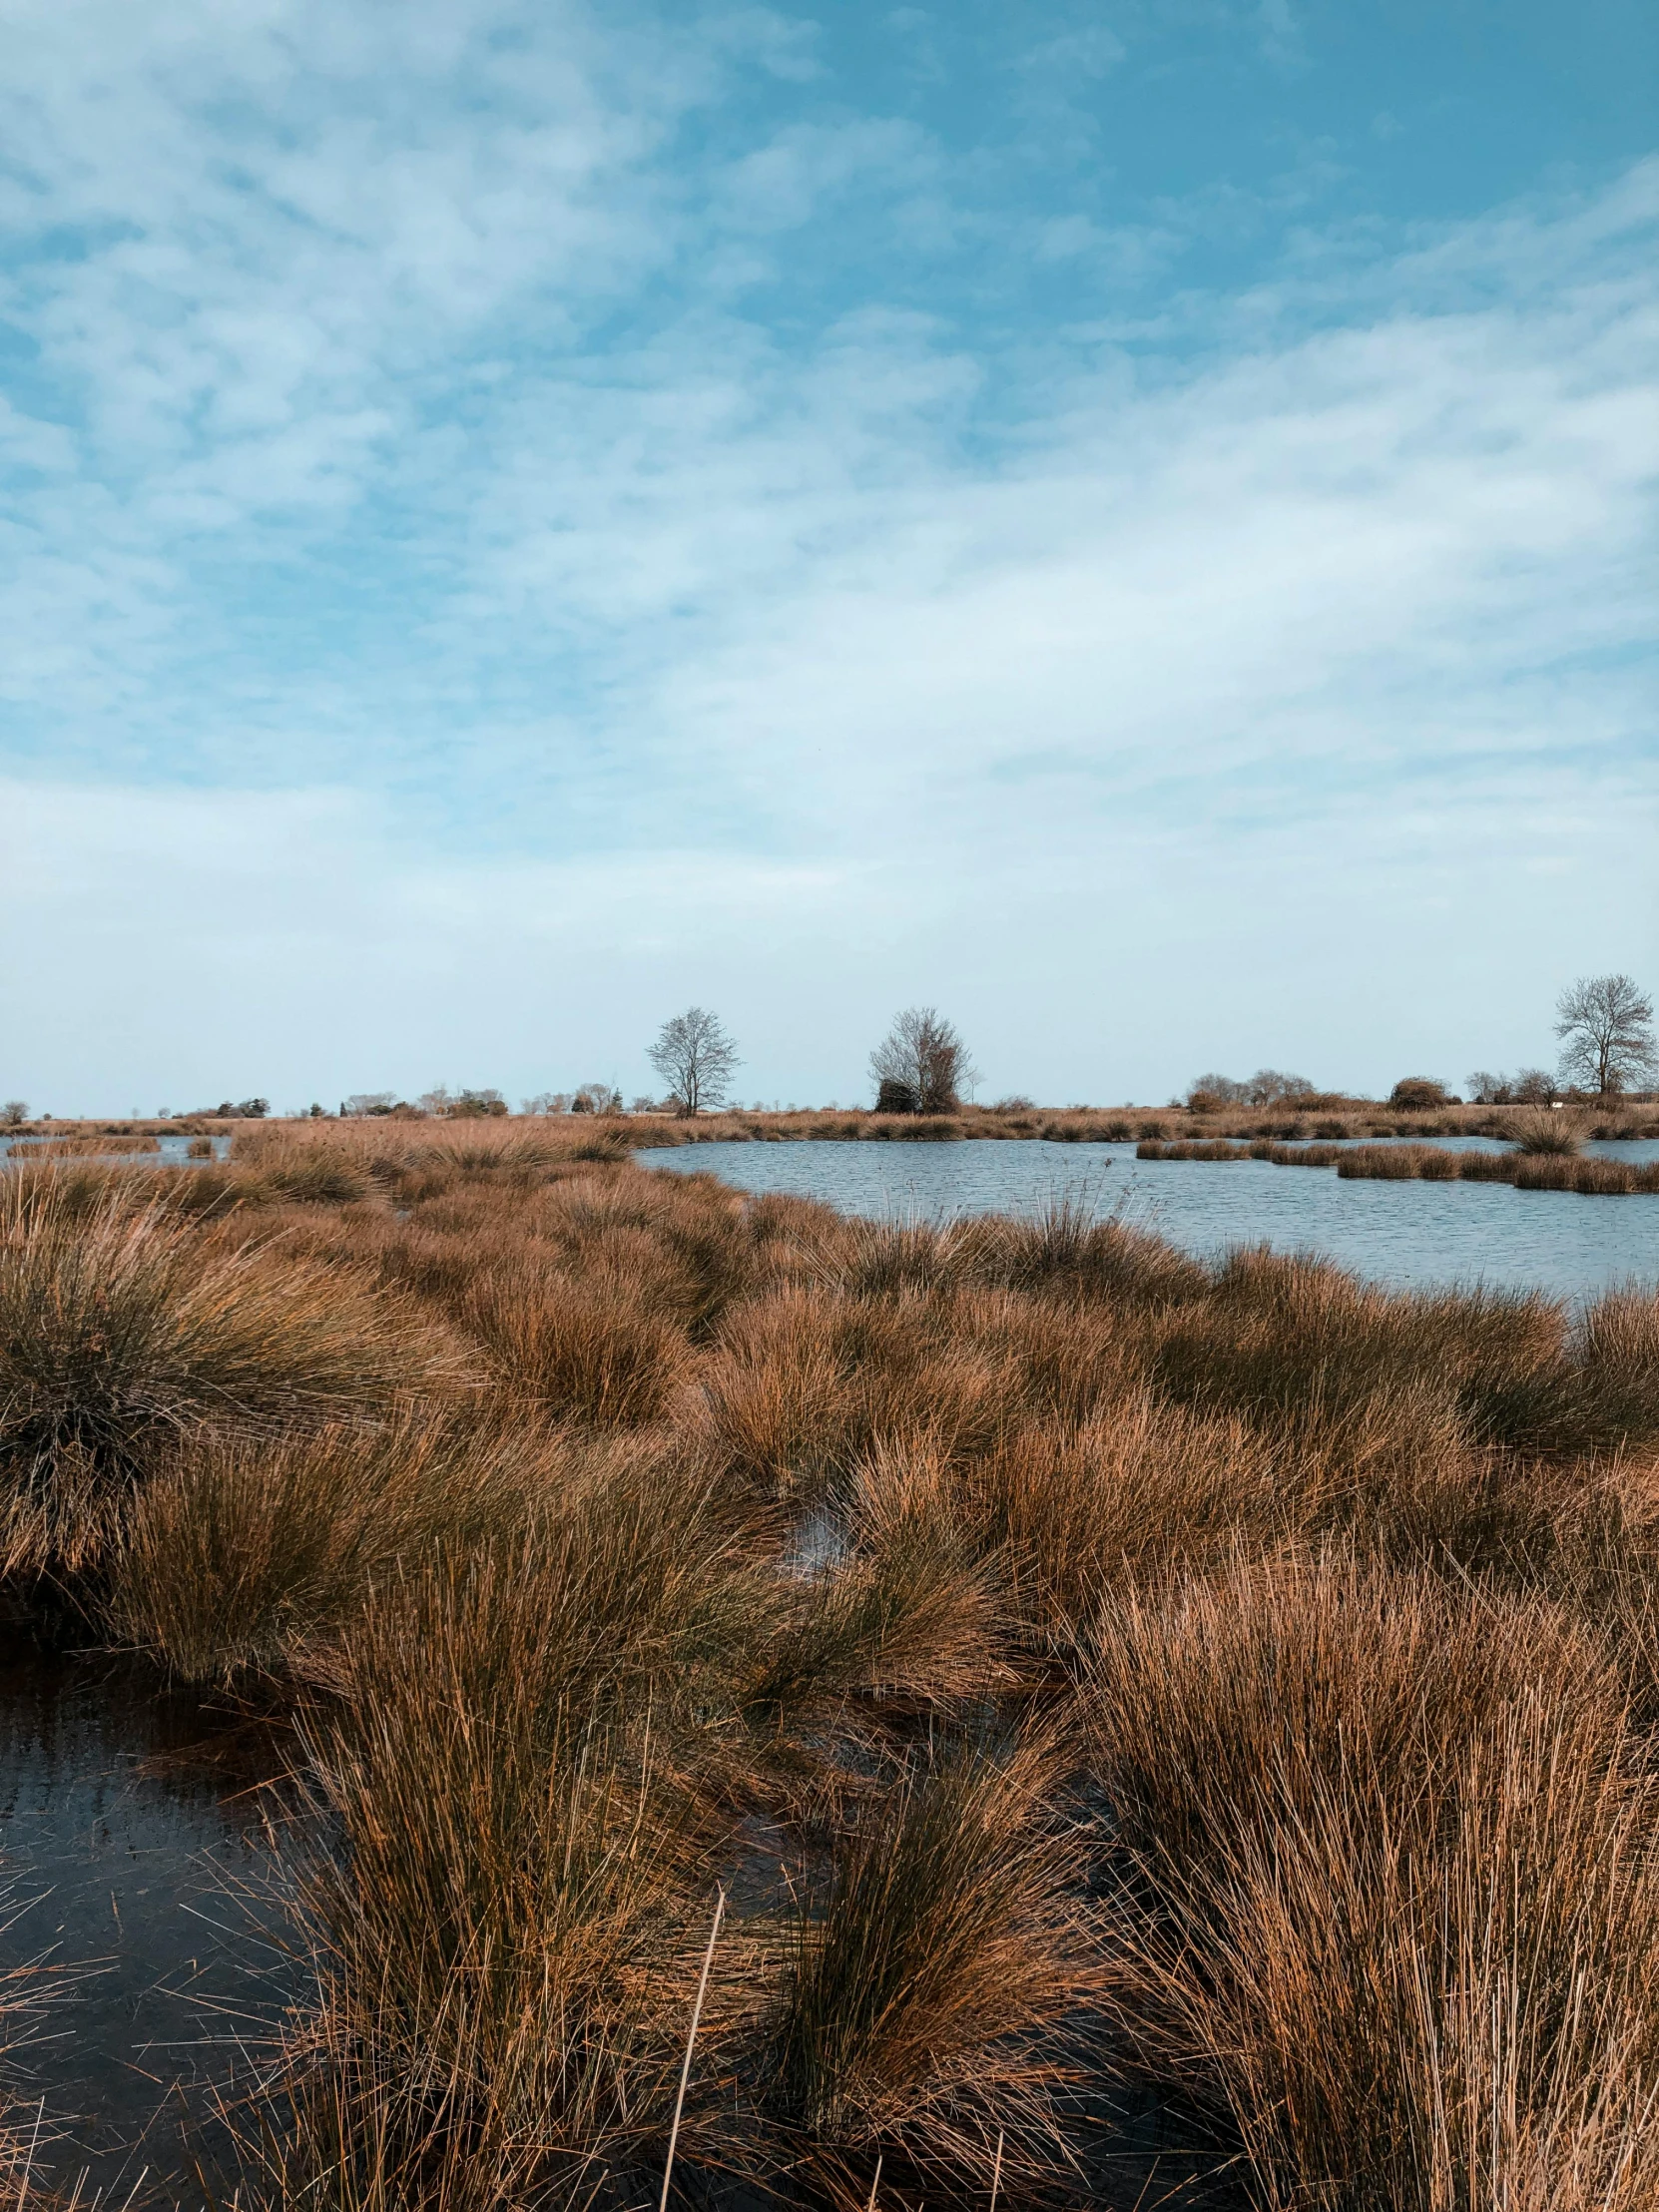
[1606,1024]
[695,1058]
[14,1113]
[1216,1089]
[921,1065]
[1530,1087]
[1272,1087]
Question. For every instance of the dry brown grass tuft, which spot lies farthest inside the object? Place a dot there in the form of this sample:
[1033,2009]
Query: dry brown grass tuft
[593,1345]
[1386,1900]
[120,1332]
[1127,1497]
[1547,1131]
[927,1987]
[253,1555]
[502,1944]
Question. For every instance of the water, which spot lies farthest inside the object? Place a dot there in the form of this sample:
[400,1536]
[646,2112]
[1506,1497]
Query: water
[174,1151]
[1407,1234]
[130,1837]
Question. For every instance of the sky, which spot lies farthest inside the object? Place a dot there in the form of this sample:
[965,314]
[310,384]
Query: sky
[1130,521]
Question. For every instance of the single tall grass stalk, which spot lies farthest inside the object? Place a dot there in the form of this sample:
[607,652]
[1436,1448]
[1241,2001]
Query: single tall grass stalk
[691,2045]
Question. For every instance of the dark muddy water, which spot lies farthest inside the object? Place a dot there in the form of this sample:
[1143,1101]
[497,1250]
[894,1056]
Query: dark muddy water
[1405,1234]
[131,1840]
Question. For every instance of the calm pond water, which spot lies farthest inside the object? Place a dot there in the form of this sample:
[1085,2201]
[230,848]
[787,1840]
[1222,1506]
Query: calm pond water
[1405,1234]
[129,1846]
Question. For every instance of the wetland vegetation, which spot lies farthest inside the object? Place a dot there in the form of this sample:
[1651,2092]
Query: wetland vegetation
[1072,1723]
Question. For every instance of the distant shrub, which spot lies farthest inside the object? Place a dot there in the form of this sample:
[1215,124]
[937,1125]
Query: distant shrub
[1416,1094]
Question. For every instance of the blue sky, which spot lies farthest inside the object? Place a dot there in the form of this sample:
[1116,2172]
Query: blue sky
[1132,523]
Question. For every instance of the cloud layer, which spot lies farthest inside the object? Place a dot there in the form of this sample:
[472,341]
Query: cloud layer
[519,522]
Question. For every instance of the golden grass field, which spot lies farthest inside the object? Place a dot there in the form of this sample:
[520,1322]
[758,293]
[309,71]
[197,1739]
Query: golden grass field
[1079,1682]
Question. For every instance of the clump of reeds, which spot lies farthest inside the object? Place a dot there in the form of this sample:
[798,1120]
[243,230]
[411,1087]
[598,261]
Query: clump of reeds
[514,1750]
[1191,1148]
[1068,1248]
[253,1555]
[1553,1132]
[1392,1163]
[1387,1898]
[118,1334]
[1136,1490]
[923,2002]
[592,1346]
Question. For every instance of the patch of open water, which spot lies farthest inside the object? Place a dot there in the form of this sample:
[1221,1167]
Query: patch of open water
[131,1840]
[1409,1235]
[171,1152]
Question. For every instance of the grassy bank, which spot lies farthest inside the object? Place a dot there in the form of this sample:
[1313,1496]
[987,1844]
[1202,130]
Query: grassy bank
[1551,1170]
[1286,1124]
[1021,1675]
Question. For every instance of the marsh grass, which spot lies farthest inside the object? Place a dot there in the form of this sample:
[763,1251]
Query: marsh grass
[1386,1896]
[119,1333]
[1091,1674]
[921,1989]
[251,1555]
[1547,1131]
[1547,1155]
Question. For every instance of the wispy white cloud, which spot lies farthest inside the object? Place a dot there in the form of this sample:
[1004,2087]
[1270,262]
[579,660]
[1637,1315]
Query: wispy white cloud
[449,540]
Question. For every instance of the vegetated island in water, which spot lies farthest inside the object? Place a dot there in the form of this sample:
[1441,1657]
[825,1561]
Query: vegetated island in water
[873,1713]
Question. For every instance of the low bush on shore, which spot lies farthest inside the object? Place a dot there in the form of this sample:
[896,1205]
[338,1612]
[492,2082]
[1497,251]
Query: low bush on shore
[996,1675]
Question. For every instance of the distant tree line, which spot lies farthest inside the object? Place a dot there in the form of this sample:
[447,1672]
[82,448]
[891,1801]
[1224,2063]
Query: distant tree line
[1604,1025]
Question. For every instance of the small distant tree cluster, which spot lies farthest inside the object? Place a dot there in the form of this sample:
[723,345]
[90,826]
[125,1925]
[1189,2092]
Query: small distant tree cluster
[696,1060]
[467,1104]
[921,1066]
[1266,1087]
[597,1098]
[591,1098]
[1527,1087]
[1605,1023]
[247,1109]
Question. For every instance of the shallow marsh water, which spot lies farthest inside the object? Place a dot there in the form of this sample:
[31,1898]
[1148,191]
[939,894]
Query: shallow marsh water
[1407,1234]
[169,1152]
[133,1842]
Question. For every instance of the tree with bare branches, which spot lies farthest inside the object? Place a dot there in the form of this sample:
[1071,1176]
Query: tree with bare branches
[696,1059]
[921,1065]
[1606,1024]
